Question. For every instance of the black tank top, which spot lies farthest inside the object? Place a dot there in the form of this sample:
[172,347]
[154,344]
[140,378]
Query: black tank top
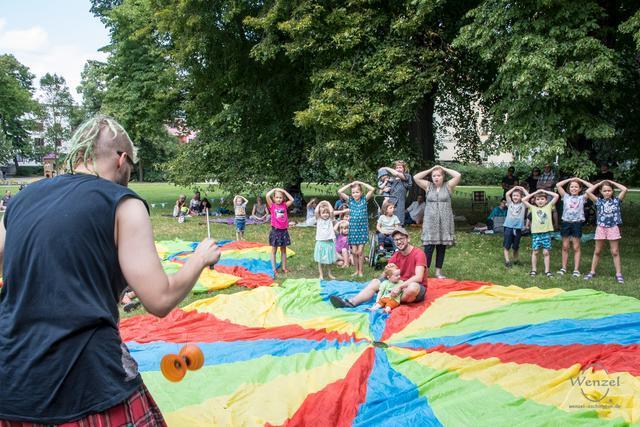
[61,355]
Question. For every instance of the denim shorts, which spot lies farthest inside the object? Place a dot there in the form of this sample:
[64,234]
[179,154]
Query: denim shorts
[511,238]
[571,229]
[541,240]
[240,223]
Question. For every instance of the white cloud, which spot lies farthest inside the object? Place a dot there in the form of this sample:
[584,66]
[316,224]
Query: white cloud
[29,40]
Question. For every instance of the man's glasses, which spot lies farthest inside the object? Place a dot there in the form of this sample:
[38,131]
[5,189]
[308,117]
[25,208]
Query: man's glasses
[400,239]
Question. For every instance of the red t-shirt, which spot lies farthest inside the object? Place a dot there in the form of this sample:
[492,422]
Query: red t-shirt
[408,263]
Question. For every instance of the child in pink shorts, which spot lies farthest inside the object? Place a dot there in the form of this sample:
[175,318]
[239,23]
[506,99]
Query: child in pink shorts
[608,219]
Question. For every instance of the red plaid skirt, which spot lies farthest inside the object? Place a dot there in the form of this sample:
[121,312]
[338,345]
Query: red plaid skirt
[139,410]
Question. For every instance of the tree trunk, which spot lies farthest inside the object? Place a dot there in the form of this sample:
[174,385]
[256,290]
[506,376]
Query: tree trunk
[140,171]
[15,162]
[421,130]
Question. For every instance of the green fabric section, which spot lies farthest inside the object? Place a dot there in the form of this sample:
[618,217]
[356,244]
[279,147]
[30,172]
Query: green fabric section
[263,256]
[301,299]
[174,246]
[170,267]
[579,304]
[458,402]
[219,380]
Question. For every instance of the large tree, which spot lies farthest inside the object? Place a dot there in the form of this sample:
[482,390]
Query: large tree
[557,77]
[58,112]
[17,108]
[140,82]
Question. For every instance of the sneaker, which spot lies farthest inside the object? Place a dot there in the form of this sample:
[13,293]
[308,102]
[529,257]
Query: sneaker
[575,273]
[533,273]
[548,274]
[619,278]
[562,271]
[590,275]
[508,264]
[130,306]
[338,302]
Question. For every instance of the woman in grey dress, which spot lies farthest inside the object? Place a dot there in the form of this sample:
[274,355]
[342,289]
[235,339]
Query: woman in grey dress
[437,227]
[399,183]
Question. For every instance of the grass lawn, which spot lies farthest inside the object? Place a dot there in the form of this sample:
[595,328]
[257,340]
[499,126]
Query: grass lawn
[474,257]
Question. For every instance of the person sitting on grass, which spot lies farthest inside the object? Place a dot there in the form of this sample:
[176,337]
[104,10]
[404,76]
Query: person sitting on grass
[195,205]
[499,211]
[608,219]
[206,206]
[259,212]
[541,228]
[414,213]
[180,203]
[240,215]
[412,263]
[514,224]
[385,299]
[572,220]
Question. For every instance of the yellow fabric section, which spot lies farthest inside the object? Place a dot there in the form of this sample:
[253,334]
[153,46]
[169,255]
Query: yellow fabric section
[455,306]
[214,280]
[544,386]
[259,308]
[258,404]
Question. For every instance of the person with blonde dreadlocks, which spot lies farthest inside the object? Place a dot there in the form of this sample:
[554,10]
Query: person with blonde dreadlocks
[62,358]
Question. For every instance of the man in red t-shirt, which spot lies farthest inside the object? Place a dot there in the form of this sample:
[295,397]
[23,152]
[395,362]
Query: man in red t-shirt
[413,272]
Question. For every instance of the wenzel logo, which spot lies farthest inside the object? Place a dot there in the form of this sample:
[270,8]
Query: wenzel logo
[595,382]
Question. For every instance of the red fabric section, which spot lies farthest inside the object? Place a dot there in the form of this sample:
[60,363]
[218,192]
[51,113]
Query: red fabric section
[407,313]
[337,404]
[247,278]
[238,244]
[182,326]
[613,357]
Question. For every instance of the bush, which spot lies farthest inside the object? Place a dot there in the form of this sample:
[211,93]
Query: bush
[489,174]
[30,171]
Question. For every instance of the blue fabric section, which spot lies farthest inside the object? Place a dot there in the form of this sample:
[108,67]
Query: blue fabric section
[346,289]
[392,399]
[148,355]
[623,329]
[253,265]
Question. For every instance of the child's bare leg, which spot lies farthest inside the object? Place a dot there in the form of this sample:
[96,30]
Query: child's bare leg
[596,255]
[320,271]
[345,257]
[331,276]
[375,307]
[387,309]
[506,254]
[516,255]
[274,249]
[354,251]
[283,258]
[615,254]
[360,260]
[565,252]
[577,250]
[534,260]
[547,260]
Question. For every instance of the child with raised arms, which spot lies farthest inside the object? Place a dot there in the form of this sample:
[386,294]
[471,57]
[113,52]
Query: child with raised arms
[279,235]
[541,228]
[240,215]
[608,221]
[358,222]
[514,224]
[572,220]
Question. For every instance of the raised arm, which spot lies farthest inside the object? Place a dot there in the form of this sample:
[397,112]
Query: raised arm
[289,197]
[341,191]
[395,173]
[244,200]
[591,190]
[554,196]
[526,199]
[268,196]
[420,178]
[371,189]
[622,188]
[560,186]
[455,178]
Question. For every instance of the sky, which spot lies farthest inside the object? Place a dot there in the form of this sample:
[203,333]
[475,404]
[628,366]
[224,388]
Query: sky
[55,36]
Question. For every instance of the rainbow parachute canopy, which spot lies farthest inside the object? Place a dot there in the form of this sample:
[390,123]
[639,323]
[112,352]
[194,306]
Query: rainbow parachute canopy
[472,353]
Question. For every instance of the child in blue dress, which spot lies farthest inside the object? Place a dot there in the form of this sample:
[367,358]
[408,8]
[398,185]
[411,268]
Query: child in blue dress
[358,221]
